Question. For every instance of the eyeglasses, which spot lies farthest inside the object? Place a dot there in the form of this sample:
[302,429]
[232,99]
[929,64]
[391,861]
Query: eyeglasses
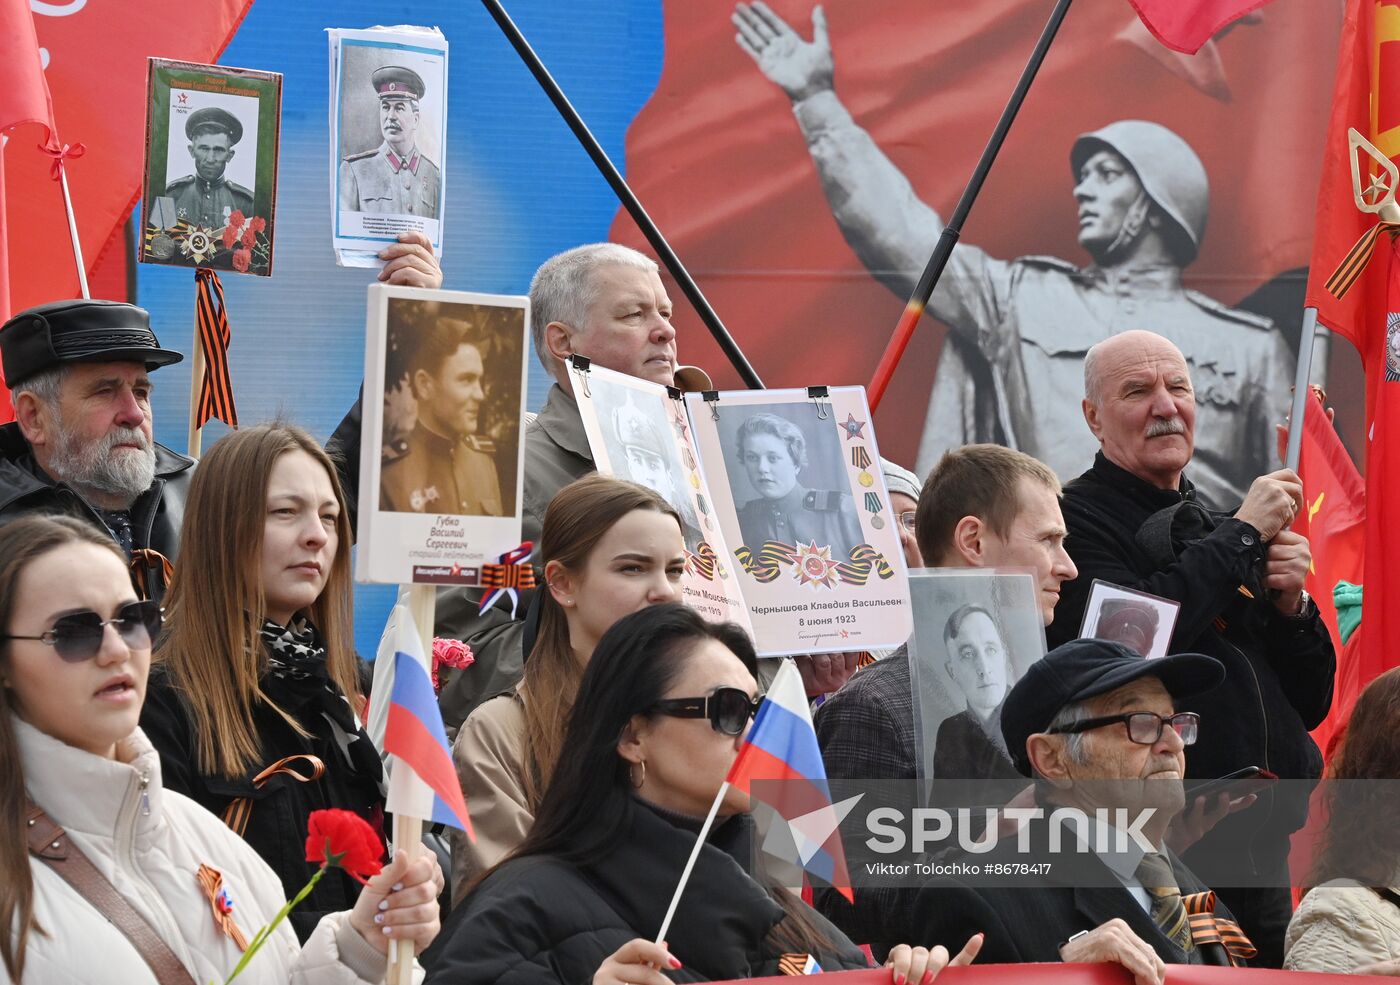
[728,709]
[77,636]
[1144,727]
[906,520]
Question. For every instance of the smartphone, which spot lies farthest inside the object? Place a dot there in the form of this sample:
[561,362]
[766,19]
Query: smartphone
[1238,784]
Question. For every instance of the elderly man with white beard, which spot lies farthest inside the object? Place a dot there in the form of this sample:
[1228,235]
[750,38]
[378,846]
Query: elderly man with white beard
[81,442]
[1134,520]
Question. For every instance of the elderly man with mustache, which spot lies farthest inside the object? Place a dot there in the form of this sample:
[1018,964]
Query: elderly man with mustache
[1134,520]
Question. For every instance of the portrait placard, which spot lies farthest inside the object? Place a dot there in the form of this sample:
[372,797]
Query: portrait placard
[802,504]
[639,431]
[976,631]
[1139,621]
[209,191]
[388,149]
[441,456]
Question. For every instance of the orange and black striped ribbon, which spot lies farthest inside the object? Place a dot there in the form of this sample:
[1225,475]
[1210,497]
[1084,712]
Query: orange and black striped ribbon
[507,576]
[1356,260]
[864,559]
[240,809]
[144,560]
[766,565]
[211,880]
[703,561]
[1207,928]
[211,321]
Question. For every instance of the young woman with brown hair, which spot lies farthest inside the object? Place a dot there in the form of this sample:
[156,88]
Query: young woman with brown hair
[255,699]
[1350,919]
[608,549]
[92,845]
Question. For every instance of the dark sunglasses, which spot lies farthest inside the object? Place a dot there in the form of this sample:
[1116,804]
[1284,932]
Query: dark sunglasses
[728,709]
[77,636]
[1144,727]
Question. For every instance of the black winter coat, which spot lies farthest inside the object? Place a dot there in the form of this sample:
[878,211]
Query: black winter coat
[544,921]
[276,816]
[1279,669]
[155,516]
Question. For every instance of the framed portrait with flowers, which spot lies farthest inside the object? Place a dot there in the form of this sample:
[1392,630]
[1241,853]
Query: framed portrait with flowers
[209,192]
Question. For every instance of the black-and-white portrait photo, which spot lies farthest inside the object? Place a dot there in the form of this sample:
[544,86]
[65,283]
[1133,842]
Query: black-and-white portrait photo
[390,148]
[1143,623]
[975,634]
[787,476]
[451,408]
[213,169]
[641,447]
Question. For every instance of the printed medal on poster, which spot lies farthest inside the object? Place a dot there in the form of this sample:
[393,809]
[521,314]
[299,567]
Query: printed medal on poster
[388,147]
[639,431]
[209,186]
[803,506]
[442,452]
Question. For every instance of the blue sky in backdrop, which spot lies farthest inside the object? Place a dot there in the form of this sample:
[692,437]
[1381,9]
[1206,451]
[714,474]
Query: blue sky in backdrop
[519,189]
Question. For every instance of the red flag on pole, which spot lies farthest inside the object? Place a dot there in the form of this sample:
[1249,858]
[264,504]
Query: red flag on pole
[1185,25]
[1355,206]
[1334,522]
[26,101]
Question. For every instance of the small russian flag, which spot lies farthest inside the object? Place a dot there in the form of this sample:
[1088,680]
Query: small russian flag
[422,780]
[782,745]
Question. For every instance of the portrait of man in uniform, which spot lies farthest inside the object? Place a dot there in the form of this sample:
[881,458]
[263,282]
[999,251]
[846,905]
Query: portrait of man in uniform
[444,465]
[642,450]
[969,744]
[207,198]
[773,456]
[395,177]
[1019,328]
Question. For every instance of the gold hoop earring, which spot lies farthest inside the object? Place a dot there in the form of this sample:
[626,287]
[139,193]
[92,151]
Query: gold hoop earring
[637,784]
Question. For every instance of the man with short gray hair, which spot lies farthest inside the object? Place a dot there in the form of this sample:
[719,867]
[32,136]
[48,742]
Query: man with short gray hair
[81,442]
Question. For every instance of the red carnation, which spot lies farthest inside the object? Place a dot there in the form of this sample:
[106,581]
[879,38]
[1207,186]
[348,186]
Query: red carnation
[342,838]
[257,223]
[236,218]
[250,238]
[450,653]
[230,236]
[241,259]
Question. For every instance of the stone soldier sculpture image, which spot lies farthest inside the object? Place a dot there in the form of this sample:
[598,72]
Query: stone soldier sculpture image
[206,198]
[394,177]
[773,453]
[444,466]
[648,462]
[969,745]
[1020,328]
[1134,624]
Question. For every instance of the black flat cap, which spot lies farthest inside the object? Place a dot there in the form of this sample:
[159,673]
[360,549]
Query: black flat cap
[211,119]
[79,331]
[1085,669]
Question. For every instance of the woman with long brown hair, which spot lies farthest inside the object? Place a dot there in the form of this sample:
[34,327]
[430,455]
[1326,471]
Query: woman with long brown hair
[608,548]
[255,698]
[1350,918]
[106,877]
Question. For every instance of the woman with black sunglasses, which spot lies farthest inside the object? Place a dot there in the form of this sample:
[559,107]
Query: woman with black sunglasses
[107,878]
[657,722]
[255,698]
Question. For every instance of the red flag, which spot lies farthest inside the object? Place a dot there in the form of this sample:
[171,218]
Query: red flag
[1187,24]
[1368,79]
[1334,523]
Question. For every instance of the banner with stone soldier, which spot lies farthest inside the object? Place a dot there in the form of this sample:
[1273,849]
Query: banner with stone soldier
[442,455]
[210,181]
[388,139]
[639,431]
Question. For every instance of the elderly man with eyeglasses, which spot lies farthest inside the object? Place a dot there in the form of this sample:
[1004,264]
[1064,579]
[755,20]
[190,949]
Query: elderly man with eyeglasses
[1104,731]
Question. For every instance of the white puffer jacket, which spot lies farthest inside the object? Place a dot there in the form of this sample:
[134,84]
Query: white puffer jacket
[1341,926]
[150,843]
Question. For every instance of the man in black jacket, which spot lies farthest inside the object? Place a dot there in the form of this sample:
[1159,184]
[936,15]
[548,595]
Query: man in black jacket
[81,441]
[1134,521]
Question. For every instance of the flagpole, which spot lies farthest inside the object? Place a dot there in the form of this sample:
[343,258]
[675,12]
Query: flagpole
[73,229]
[913,311]
[1301,379]
[690,862]
[196,433]
[408,831]
[625,195]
